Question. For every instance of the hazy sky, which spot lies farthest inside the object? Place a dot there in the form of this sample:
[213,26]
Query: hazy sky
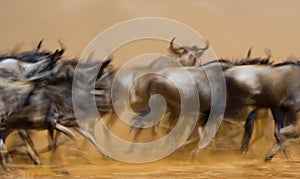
[231,26]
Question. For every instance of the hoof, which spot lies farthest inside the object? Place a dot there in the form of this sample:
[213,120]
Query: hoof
[38,163]
[268,159]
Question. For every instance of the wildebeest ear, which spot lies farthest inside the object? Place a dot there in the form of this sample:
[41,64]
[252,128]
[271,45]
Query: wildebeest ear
[61,52]
[57,54]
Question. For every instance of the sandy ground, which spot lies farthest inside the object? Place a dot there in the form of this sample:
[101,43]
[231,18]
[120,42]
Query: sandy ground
[231,28]
[220,159]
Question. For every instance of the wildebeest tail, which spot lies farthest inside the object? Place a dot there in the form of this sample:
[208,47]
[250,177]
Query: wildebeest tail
[248,130]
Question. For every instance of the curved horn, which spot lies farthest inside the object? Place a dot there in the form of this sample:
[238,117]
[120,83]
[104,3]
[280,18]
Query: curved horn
[205,47]
[174,49]
[62,47]
[268,52]
[39,46]
[104,64]
[197,49]
[249,52]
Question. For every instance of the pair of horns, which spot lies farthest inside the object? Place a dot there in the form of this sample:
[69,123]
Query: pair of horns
[39,47]
[183,49]
[267,51]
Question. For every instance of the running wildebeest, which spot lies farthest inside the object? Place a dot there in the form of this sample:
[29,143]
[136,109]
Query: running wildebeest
[183,56]
[15,68]
[160,83]
[40,107]
[275,87]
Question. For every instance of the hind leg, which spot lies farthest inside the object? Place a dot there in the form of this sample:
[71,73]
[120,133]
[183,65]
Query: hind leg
[3,153]
[284,121]
[111,119]
[279,145]
[273,152]
[282,141]
[90,138]
[197,151]
[30,147]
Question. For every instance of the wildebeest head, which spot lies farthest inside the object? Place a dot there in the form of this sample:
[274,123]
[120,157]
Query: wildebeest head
[188,56]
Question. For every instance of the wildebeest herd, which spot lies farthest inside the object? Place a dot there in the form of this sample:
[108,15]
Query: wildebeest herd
[37,88]
[36,93]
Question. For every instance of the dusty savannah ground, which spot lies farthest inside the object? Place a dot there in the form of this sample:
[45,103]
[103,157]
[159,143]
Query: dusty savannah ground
[230,26]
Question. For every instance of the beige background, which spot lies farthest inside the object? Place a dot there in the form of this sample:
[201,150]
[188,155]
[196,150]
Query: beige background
[231,26]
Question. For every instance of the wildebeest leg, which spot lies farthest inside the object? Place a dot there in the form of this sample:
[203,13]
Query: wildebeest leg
[51,140]
[282,141]
[193,137]
[138,122]
[282,118]
[64,130]
[51,146]
[279,117]
[262,119]
[111,119]
[3,150]
[88,136]
[55,157]
[279,145]
[209,124]
[30,147]
[54,143]
[273,152]
[197,151]
[135,132]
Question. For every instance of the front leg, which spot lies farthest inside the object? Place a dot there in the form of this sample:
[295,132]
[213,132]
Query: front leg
[3,153]
[30,147]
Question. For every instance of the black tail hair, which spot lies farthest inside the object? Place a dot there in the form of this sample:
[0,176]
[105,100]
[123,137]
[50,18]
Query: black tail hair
[248,130]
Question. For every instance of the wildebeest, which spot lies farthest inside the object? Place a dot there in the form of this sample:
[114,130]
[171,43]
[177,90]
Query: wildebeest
[15,69]
[160,83]
[44,101]
[275,87]
[183,56]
